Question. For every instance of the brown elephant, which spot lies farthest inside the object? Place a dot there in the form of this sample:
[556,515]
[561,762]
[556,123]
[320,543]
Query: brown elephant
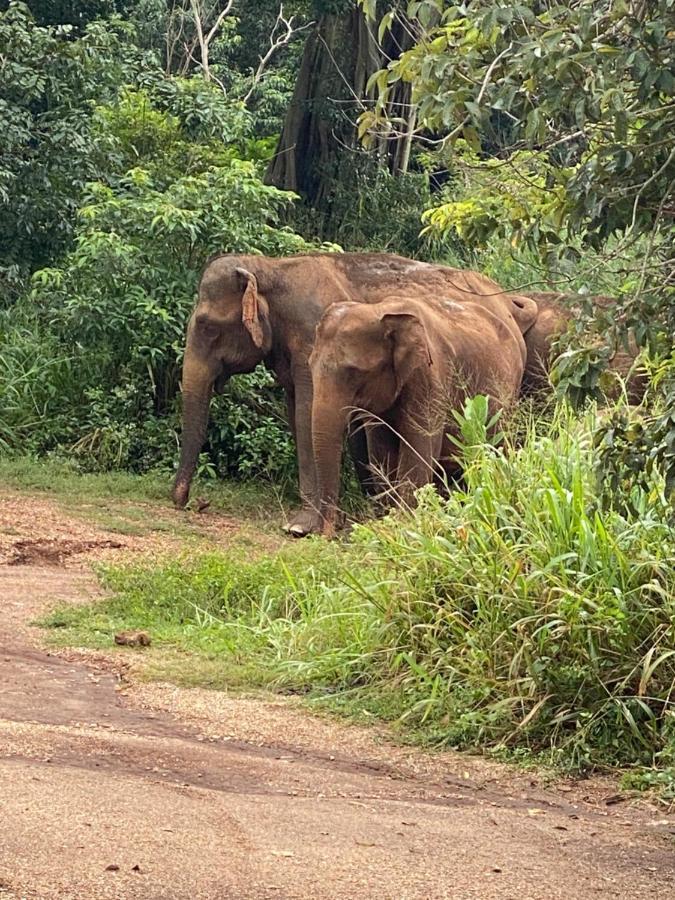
[407,363]
[254,309]
[555,312]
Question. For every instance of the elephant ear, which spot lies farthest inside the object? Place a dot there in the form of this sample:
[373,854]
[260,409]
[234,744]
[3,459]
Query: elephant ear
[411,344]
[250,307]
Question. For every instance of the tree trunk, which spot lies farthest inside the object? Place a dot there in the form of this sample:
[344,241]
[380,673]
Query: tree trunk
[339,57]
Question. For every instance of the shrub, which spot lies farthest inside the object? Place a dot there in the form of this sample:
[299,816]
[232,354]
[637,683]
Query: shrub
[50,81]
[97,344]
[516,615]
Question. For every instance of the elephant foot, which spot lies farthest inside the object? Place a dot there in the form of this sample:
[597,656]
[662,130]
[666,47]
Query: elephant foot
[304,522]
[180,494]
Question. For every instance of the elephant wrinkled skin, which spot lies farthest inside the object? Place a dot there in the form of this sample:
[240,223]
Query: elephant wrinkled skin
[254,309]
[406,364]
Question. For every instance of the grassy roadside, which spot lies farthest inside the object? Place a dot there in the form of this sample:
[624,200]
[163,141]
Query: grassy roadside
[61,480]
[519,617]
[138,505]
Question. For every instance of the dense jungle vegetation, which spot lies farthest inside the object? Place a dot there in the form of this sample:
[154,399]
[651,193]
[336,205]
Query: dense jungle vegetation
[533,612]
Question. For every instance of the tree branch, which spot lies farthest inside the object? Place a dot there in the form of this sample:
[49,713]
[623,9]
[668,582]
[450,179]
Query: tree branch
[276,43]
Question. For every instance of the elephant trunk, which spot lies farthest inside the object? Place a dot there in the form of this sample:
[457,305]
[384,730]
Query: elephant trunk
[197,388]
[329,420]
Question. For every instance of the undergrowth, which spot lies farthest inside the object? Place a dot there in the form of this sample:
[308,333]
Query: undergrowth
[519,615]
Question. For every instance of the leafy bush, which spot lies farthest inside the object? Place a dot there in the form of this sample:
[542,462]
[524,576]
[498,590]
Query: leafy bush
[636,447]
[93,360]
[49,84]
[517,615]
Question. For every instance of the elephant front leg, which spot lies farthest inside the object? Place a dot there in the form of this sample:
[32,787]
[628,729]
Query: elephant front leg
[416,462]
[290,411]
[359,452]
[383,452]
[307,520]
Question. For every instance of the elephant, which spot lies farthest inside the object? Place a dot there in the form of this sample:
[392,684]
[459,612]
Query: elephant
[255,309]
[407,364]
[555,312]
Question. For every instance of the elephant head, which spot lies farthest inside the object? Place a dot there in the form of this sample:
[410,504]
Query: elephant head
[229,333]
[363,356]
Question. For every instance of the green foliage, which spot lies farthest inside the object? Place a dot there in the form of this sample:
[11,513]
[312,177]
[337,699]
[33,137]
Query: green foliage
[49,84]
[660,781]
[516,616]
[75,12]
[367,208]
[100,373]
[123,295]
[476,428]
[598,74]
[636,446]
[116,183]
[588,89]
[492,195]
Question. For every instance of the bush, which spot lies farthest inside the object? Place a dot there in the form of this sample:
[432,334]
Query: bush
[517,615]
[50,82]
[93,360]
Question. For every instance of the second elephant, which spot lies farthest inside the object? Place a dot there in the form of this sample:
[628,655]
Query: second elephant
[555,311]
[406,363]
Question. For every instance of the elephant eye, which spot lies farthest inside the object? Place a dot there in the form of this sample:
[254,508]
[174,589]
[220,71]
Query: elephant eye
[207,327]
[354,371]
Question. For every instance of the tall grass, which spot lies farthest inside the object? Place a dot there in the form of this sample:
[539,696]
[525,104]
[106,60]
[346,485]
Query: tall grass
[516,615]
[33,373]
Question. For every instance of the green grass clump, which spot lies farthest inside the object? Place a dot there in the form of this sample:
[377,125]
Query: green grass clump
[517,616]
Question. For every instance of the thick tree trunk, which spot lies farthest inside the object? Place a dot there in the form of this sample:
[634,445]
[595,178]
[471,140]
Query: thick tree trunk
[339,57]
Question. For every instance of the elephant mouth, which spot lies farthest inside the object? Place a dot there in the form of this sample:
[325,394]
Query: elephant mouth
[220,383]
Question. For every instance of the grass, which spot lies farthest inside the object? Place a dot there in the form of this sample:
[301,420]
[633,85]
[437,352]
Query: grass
[518,617]
[253,499]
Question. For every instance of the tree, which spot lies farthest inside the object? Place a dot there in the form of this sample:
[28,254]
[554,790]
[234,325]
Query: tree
[588,89]
[319,136]
[50,83]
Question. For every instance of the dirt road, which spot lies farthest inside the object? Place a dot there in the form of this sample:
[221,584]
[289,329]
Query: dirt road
[109,789]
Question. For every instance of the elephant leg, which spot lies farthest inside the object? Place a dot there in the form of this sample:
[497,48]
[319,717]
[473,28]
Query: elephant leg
[448,475]
[358,449]
[416,461]
[290,411]
[383,451]
[307,520]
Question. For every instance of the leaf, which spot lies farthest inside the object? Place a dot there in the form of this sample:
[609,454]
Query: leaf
[385,24]
[649,667]
[471,136]
[580,112]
